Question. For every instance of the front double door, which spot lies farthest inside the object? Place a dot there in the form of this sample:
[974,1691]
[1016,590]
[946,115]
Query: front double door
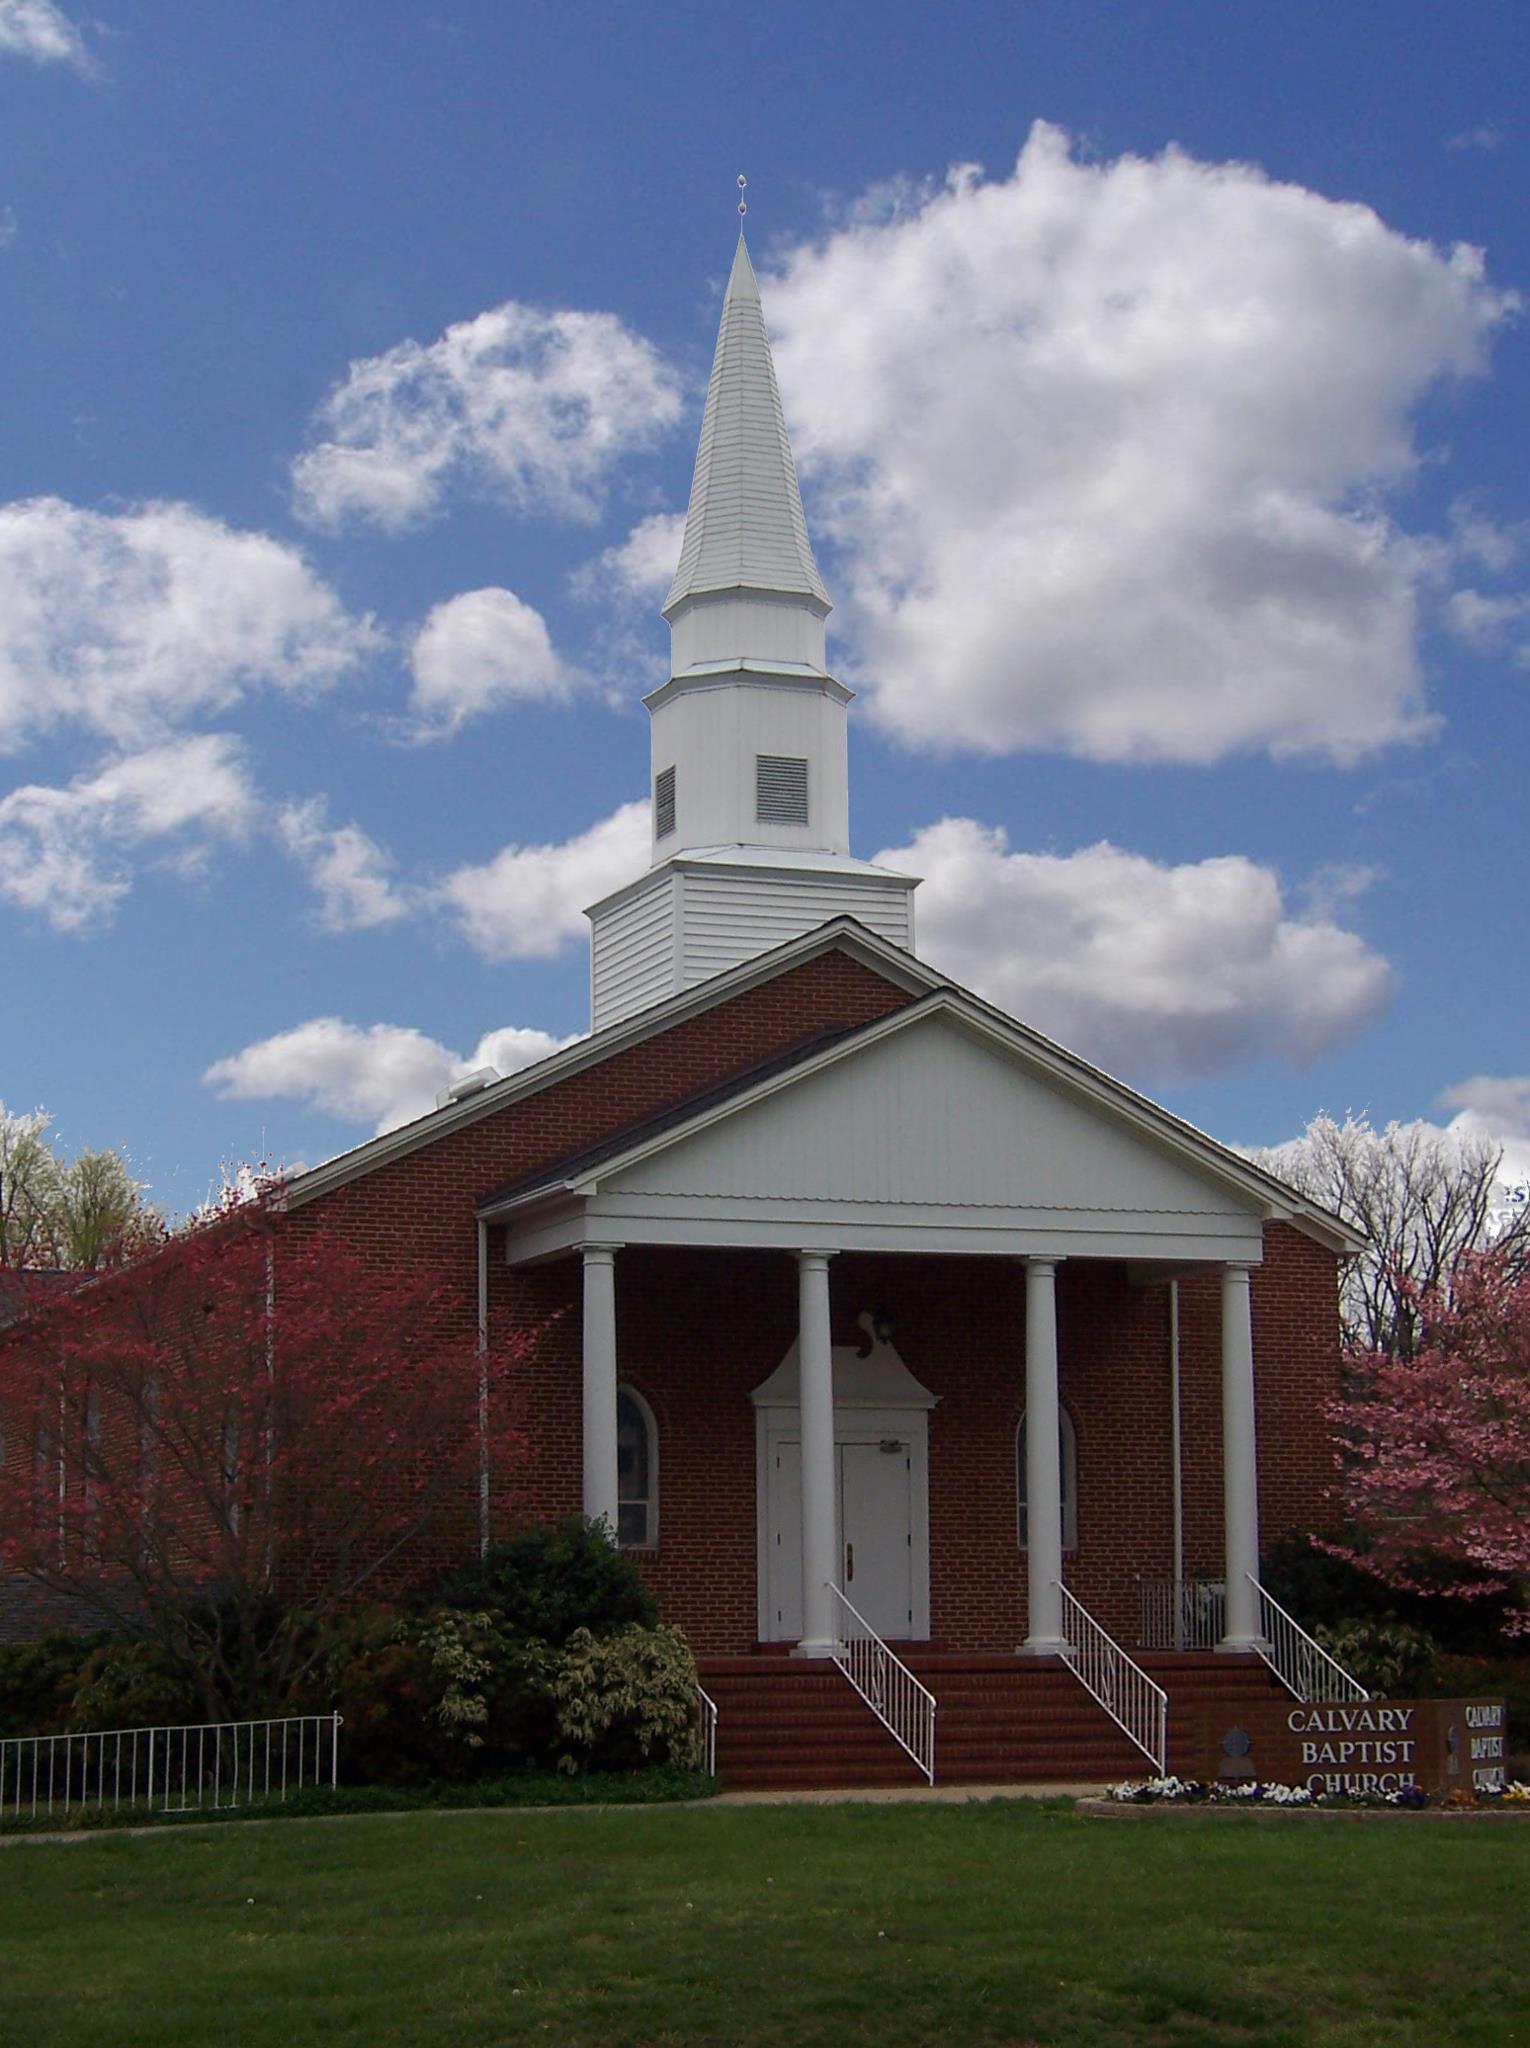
[874,1495]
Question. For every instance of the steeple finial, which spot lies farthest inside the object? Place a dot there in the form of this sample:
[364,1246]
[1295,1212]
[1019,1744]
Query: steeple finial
[743,204]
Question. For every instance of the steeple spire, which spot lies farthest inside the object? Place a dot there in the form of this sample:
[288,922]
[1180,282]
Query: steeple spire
[750,773]
[745,528]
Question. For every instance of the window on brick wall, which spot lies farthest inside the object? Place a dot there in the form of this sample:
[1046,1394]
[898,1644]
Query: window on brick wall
[637,1473]
[1068,1464]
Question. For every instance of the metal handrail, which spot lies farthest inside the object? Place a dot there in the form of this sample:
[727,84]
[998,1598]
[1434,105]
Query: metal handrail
[707,1709]
[1137,1704]
[905,1708]
[1181,1614]
[176,1769]
[1300,1662]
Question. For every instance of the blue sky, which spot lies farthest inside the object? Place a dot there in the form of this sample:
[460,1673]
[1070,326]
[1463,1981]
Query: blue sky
[1161,391]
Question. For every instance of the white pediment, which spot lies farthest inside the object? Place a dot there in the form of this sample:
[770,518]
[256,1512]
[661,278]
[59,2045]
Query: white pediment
[933,1117]
[866,1375]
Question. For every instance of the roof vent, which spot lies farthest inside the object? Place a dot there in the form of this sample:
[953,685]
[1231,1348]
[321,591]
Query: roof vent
[469,1084]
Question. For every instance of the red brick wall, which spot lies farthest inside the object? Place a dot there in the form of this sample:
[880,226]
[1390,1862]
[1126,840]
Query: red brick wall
[697,1331]
[421,1208]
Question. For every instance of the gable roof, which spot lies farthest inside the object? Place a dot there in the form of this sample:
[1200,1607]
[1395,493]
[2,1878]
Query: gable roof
[842,934]
[580,1173]
[838,934]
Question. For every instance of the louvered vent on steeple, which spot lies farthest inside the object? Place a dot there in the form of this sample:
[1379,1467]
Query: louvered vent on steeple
[780,790]
[664,803]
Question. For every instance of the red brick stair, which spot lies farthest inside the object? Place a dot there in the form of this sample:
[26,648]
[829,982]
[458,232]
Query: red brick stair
[789,1723]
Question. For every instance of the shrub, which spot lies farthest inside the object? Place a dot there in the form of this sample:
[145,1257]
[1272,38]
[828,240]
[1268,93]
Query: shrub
[551,1580]
[1388,1657]
[38,1680]
[447,1695]
[1325,1591]
[1508,1676]
[626,1699]
[127,1684]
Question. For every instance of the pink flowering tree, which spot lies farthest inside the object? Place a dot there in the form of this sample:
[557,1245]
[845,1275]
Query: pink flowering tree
[1435,1457]
[242,1433]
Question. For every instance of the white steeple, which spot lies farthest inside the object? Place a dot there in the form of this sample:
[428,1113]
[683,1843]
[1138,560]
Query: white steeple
[751,810]
[745,529]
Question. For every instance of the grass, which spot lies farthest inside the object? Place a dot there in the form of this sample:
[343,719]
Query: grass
[660,1784]
[1008,1924]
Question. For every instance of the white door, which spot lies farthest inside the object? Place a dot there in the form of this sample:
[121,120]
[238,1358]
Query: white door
[874,1496]
[876,1541]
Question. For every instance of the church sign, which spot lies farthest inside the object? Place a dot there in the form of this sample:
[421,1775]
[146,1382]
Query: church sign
[1357,1745]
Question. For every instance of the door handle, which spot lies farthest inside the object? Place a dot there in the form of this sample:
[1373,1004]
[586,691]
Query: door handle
[849,1564]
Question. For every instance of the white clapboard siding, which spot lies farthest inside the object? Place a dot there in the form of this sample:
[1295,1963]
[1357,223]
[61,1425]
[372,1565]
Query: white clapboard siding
[632,953]
[932,1118]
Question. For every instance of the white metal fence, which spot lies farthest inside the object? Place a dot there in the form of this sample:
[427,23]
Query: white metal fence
[1137,1704]
[905,1708]
[1302,1665]
[170,1770]
[1181,1614]
[706,1708]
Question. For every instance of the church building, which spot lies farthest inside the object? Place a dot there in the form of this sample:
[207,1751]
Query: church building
[931,1375]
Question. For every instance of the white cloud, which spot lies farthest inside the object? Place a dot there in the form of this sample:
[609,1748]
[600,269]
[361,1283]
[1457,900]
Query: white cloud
[1103,446]
[530,406]
[62,851]
[1489,136]
[1144,968]
[1491,624]
[1496,1107]
[639,569]
[128,623]
[529,901]
[478,650]
[382,1074]
[39,30]
[10,226]
[350,871]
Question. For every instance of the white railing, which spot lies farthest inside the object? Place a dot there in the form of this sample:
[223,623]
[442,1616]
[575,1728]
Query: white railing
[1136,1703]
[1181,1614]
[905,1708]
[1302,1665]
[172,1770]
[706,1711]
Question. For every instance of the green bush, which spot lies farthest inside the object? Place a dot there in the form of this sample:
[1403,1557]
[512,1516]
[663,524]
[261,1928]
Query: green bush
[625,1700]
[128,1684]
[447,1695]
[38,1680]
[551,1580]
[1388,1657]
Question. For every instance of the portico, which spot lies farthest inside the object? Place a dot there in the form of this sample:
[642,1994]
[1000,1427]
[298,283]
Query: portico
[938,1132]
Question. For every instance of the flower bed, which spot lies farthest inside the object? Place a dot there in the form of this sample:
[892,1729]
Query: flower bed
[1252,1793]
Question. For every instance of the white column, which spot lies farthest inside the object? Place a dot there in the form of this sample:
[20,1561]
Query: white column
[1240,1470]
[815,1378]
[600,1384]
[1043,1464]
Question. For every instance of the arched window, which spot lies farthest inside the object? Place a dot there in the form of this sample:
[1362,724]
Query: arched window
[637,1473]
[1068,1467]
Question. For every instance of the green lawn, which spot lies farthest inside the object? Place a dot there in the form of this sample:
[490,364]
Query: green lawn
[884,1925]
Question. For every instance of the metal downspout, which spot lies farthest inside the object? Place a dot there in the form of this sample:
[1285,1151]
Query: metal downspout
[1178,1472]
